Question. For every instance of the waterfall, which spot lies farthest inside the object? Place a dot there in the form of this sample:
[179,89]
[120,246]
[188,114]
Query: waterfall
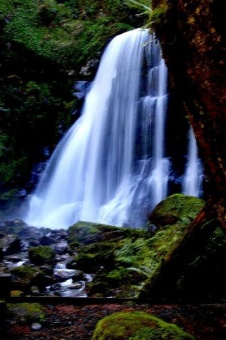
[111,166]
[192,182]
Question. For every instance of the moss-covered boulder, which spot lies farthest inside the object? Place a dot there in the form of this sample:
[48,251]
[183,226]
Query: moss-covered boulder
[176,209]
[137,326]
[41,255]
[25,278]
[26,312]
[83,233]
[192,270]
[122,260]
[22,277]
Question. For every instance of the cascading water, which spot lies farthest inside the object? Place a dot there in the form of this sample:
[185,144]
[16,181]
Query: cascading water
[192,182]
[110,167]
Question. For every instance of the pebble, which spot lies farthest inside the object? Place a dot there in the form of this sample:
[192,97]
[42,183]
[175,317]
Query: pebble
[36,326]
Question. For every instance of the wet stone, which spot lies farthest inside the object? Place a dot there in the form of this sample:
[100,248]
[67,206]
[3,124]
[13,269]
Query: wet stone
[36,326]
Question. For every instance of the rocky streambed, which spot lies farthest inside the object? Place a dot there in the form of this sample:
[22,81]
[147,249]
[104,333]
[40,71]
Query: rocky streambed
[40,261]
[162,261]
[155,264]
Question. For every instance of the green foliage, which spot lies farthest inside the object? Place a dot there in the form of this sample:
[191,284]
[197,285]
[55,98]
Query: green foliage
[137,325]
[59,31]
[145,9]
[41,255]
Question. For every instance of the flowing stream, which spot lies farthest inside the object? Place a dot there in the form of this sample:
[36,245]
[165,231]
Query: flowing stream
[111,167]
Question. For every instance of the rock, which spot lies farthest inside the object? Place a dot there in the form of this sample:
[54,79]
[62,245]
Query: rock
[13,258]
[46,241]
[36,326]
[192,270]
[61,247]
[64,273]
[90,68]
[14,227]
[41,255]
[122,259]
[81,88]
[26,312]
[41,281]
[58,234]
[22,277]
[137,326]
[177,208]
[31,233]
[10,244]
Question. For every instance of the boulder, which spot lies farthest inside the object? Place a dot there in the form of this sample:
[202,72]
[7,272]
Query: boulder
[192,270]
[123,260]
[10,244]
[41,255]
[137,326]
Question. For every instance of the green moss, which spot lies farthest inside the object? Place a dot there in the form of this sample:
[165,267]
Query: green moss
[118,274]
[26,312]
[124,259]
[41,255]
[81,231]
[137,325]
[176,209]
[25,273]
[95,255]
[54,31]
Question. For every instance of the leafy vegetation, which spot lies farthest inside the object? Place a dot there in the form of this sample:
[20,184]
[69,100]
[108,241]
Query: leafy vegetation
[145,8]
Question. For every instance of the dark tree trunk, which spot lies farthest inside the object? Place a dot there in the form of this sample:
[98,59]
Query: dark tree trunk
[193,38]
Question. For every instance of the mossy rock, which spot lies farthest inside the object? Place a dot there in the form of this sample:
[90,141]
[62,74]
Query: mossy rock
[41,255]
[177,208]
[99,253]
[192,270]
[26,312]
[25,273]
[137,326]
[83,233]
[15,227]
[22,277]
[124,259]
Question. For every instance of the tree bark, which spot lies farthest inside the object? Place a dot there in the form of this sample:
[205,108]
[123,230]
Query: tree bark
[193,38]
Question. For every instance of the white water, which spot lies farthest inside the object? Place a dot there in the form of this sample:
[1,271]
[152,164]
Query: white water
[111,167]
[192,182]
